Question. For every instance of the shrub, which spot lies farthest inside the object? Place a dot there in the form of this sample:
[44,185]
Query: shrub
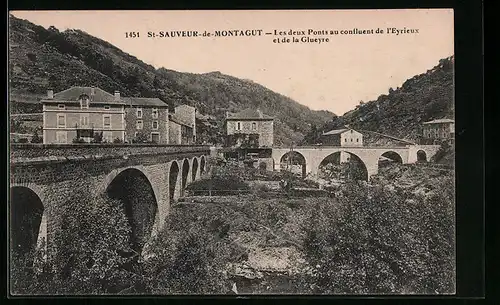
[23,140]
[97,137]
[188,261]
[36,138]
[380,241]
[78,140]
[117,141]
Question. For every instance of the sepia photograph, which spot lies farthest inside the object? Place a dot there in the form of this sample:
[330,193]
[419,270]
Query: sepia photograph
[249,152]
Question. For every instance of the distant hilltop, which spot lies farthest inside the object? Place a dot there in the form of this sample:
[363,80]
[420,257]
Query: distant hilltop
[41,58]
[401,112]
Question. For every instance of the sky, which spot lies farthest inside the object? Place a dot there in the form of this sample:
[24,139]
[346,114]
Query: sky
[334,75]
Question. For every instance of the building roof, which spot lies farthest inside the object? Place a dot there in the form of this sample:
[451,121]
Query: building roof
[145,101]
[73,93]
[101,96]
[337,131]
[177,120]
[439,121]
[249,114]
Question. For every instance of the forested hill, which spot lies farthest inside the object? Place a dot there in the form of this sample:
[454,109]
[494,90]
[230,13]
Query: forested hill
[41,58]
[401,112]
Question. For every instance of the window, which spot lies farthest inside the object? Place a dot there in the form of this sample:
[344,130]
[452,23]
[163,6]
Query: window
[238,126]
[254,126]
[61,120]
[61,137]
[84,103]
[106,121]
[154,113]
[107,136]
[345,140]
[139,124]
[84,119]
[155,137]
[139,113]
[155,124]
[107,107]
[357,140]
[61,106]
[351,139]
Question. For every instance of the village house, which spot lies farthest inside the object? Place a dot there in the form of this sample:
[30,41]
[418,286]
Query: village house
[249,135]
[347,137]
[146,119]
[78,114]
[438,130]
[249,127]
[182,125]
[344,137]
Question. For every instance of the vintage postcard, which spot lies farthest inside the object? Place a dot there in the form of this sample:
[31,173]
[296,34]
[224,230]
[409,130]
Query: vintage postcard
[232,152]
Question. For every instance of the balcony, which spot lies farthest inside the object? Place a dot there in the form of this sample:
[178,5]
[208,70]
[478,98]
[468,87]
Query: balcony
[85,131]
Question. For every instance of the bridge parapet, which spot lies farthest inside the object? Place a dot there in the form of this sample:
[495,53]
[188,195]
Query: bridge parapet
[62,152]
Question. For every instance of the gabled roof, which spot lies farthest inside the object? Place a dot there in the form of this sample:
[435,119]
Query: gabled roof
[144,101]
[439,121]
[73,93]
[335,131]
[249,114]
[177,120]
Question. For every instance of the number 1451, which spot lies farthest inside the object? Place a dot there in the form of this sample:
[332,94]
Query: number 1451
[131,34]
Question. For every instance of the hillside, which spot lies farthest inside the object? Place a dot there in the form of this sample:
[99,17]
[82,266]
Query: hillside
[401,112]
[41,58]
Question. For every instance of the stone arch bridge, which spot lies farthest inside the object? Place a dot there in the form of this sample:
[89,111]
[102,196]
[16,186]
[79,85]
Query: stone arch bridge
[369,156]
[147,178]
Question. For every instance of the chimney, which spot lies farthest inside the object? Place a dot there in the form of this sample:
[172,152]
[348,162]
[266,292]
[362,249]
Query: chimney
[259,113]
[117,95]
[92,91]
[50,94]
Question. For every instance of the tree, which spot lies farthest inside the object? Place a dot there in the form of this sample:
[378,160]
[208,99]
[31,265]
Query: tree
[86,256]
[374,240]
[141,137]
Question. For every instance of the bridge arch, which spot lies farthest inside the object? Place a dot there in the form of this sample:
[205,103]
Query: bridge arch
[389,157]
[26,218]
[421,156]
[173,177]
[292,160]
[345,165]
[134,190]
[194,172]
[185,176]
[202,165]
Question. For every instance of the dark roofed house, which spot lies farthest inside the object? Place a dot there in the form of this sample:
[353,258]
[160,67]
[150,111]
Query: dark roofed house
[249,133]
[146,120]
[251,122]
[438,130]
[78,113]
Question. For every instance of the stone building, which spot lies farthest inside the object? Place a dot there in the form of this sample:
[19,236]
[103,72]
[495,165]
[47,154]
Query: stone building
[250,137]
[345,137]
[80,112]
[182,124]
[146,119]
[438,130]
[342,137]
[249,127]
